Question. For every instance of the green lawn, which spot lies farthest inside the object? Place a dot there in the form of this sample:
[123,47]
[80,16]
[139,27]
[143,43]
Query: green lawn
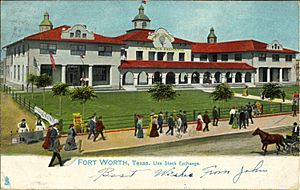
[118,108]
[289,90]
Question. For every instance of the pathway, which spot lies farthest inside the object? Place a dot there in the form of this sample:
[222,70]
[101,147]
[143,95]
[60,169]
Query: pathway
[119,139]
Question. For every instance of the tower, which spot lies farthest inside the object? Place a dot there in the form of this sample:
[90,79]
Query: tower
[141,21]
[212,38]
[46,24]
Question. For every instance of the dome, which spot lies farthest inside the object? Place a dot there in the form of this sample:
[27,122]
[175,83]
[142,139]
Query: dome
[141,16]
[46,22]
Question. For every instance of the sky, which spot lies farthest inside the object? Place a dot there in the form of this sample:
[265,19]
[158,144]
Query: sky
[190,20]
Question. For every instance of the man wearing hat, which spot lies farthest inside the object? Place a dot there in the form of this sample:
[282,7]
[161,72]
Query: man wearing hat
[55,145]
[295,130]
[92,126]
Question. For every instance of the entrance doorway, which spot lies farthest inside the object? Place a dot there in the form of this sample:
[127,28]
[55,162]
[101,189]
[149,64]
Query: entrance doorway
[74,73]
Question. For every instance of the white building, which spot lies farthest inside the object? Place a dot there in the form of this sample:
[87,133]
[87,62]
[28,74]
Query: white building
[142,57]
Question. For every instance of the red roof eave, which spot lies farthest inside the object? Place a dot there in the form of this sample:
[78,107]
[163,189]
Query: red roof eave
[138,64]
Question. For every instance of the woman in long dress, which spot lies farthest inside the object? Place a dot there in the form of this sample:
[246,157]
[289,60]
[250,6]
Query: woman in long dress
[232,113]
[235,123]
[153,132]
[140,133]
[70,142]
[199,122]
[150,125]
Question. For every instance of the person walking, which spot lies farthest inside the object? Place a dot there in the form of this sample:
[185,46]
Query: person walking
[135,123]
[92,126]
[160,121]
[199,122]
[70,142]
[178,126]
[216,116]
[153,132]
[55,146]
[231,113]
[294,108]
[150,124]
[250,109]
[242,119]
[46,144]
[140,132]
[206,120]
[235,120]
[184,122]
[99,128]
[246,116]
[171,125]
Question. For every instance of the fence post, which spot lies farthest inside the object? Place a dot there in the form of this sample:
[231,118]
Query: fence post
[262,109]
[166,117]
[280,104]
[24,103]
[194,115]
[29,105]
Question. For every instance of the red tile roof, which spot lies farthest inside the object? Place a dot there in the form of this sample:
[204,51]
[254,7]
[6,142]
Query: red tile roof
[235,46]
[55,35]
[138,64]
[141,35]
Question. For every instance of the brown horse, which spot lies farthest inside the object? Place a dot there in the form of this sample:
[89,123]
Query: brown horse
[267,139]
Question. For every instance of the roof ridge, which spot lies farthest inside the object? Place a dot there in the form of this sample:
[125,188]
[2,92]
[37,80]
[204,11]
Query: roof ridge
[46,31]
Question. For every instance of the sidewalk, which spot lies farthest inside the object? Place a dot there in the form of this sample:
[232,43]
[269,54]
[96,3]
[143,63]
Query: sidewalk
[266,99]
[119,139]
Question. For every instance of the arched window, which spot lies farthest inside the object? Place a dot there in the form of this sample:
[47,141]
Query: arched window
[143,78]
[77,34]
[157,79]
[238,77]
[170,78]
[183,78]
[248,77]
[206,78]
[195,78]
[217,77]
[128,78]
[228,77]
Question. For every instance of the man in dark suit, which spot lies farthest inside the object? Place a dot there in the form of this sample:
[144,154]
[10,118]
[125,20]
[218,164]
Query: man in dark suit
[206,120]
[295,130]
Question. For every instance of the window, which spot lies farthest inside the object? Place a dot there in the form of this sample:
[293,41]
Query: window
[15,69]
[203,57]
[224,57]
[181,56]
[214,58]
[47,48]
[19,50]
[288,57]
[105,51]
[77,34]
[170,56]
[262,57]
[275,57]
[144,24]
[19,72]
[160,56]
[84,35]
[238,57]
[15,51]
[139,55]
[100,73]
[72,35]
[77,49]
[151,56]
[23,49]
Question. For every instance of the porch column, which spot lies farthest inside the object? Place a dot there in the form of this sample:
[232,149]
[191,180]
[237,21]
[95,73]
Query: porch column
[252,78]
[63,73]
[176,78]
[163,79]
[233,78]
[212,78]
[90,75]
[150,78]
[135,79]
[268,74]
[201,78]
[243,77]
[121,80]
[280,75]
[223,78]
[189,78]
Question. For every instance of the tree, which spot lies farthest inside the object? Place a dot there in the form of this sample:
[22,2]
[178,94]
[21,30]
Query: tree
[43,81]
[222,93]
[83,94]
[31,80]
[162,93]
[272,91]
[60,89]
